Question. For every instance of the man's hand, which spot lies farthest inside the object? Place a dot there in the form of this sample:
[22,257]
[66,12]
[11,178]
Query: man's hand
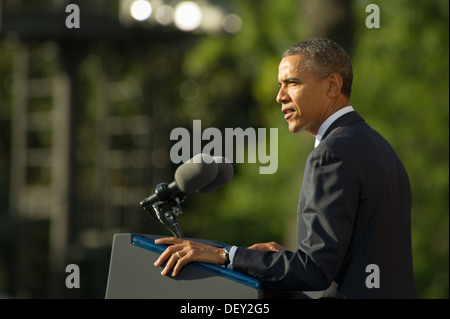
[181,252]
[272,246]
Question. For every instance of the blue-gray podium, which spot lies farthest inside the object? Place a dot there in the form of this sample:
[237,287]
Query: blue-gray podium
[132,274]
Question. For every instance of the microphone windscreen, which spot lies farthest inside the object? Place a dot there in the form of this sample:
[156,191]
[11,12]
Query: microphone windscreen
[196,173]
[224,174]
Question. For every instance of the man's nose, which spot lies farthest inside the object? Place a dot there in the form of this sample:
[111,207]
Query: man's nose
[282,96]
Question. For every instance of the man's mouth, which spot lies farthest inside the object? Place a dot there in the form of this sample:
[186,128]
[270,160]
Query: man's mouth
[288,111]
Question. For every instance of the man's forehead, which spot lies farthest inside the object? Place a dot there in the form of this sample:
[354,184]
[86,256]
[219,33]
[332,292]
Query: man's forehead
[291,64]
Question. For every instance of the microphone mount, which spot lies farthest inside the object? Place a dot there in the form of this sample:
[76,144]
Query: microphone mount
[167,209]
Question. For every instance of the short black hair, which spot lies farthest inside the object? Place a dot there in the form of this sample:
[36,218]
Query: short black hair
[324,57]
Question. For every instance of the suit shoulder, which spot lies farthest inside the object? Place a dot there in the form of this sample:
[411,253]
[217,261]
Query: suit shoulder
[355,137]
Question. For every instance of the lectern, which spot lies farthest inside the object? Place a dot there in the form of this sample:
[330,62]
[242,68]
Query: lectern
[133,275]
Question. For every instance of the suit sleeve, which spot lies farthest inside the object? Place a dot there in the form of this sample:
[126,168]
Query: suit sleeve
[326,213]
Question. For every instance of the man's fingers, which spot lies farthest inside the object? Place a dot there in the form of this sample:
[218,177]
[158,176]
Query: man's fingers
[260,246]
[271,246]
[181,252]
[179,265]
[167,253]
[169,250]
[170,263]
[169,241]
[177,260]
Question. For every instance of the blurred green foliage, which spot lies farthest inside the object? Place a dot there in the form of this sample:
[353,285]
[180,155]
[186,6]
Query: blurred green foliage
[400,88]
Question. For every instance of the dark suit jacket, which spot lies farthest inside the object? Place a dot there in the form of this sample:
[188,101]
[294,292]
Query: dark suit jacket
[354,212]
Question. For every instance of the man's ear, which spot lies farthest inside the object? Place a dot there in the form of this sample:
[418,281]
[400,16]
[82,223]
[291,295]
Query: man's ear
[335,83]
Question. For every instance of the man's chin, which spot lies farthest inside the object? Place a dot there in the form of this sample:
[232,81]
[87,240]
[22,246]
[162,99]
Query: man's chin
[294,128]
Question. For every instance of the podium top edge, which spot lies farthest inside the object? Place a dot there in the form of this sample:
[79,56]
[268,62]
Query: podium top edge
[247,280]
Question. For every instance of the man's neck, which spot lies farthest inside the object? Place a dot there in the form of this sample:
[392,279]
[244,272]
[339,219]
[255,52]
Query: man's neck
[330,120]
[334,106]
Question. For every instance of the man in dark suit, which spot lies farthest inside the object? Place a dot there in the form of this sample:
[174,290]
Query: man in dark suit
[354,210]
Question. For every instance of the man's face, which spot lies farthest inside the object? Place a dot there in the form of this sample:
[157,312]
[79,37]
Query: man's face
[302,96]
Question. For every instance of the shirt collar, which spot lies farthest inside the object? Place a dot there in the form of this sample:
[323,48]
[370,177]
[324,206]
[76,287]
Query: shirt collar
[326,124]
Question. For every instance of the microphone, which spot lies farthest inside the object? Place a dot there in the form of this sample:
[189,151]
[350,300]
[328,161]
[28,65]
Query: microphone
[202,173]
[197,173]
[224,175]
